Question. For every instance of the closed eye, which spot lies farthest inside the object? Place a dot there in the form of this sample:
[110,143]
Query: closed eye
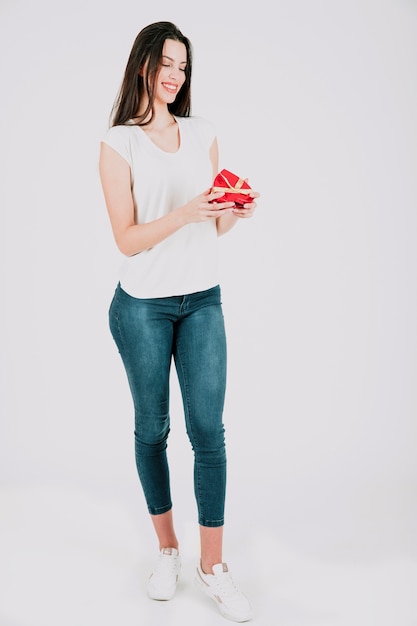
[164,63]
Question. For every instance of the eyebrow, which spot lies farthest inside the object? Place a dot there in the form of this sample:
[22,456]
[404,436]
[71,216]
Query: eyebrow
[164,56]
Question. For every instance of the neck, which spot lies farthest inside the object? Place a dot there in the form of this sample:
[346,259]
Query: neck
[162,117]
[161,122]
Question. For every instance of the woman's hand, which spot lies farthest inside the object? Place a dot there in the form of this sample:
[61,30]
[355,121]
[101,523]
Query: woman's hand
[248,209]
[202,208]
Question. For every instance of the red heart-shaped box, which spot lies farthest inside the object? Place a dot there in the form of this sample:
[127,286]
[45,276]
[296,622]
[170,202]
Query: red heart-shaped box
[235,189]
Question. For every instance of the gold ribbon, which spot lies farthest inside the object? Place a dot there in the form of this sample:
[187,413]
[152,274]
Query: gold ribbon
[230,188]
[246,192]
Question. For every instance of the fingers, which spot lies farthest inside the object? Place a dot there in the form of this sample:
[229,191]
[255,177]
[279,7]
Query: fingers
[215,209]
[243,212]
[217,206]
[214,196]
[247,210]
[248,205]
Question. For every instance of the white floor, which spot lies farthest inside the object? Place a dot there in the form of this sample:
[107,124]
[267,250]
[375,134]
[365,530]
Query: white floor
[71,557]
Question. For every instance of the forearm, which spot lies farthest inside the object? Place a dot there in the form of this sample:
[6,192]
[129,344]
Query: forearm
[139,237]
[226,223]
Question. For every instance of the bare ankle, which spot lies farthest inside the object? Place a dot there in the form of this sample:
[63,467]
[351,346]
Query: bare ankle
[206,567]
[169,547]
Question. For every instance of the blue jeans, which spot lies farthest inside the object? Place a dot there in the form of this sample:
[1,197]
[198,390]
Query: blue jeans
[188,330]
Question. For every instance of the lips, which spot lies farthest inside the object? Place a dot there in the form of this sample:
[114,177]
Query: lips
[170,87]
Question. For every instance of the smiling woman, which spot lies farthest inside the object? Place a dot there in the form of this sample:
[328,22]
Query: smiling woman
[172,53]
[157,164]
[169,81]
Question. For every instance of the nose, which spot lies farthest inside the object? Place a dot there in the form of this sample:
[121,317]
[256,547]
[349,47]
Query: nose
[174,73]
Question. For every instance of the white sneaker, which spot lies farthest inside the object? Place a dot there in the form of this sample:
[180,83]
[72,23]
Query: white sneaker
[163,580]
[222,589]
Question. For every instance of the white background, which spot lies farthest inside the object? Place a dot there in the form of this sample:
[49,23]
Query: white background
[315,102]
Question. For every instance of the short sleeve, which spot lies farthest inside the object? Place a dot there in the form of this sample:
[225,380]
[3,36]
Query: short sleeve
[117,137]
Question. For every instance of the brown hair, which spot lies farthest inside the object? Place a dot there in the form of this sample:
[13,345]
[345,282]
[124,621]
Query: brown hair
[146,55]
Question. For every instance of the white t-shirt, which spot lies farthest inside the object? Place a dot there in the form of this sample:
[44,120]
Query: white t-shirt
[185,262]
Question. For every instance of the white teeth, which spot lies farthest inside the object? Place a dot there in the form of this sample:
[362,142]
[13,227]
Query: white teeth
[169,87]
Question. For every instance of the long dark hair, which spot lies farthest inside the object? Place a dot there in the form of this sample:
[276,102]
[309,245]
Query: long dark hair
[146,55]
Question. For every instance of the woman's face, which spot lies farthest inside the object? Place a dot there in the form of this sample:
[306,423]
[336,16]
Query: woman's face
[171,75]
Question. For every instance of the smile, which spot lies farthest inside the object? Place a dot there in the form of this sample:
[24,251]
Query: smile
[169,87]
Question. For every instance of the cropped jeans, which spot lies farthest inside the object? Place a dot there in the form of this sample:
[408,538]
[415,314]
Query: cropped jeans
[188,330]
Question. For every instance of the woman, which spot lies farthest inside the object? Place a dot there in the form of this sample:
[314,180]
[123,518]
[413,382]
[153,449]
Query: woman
[157,163]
